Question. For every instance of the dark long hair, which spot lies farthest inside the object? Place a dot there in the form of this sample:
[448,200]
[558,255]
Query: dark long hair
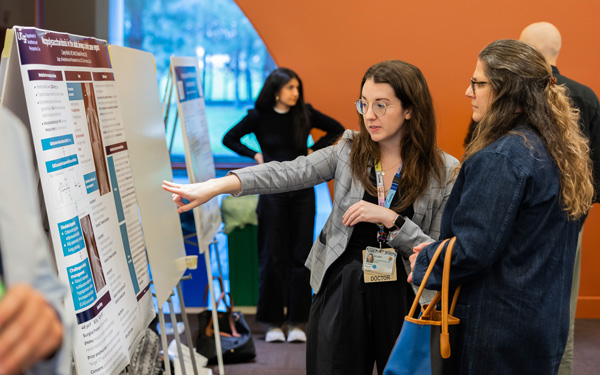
[522,85]
[266,101]
[418,147]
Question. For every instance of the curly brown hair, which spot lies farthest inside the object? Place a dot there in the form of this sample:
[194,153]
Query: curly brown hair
[523,85]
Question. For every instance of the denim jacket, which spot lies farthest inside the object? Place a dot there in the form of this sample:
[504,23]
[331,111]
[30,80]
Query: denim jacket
[513,256]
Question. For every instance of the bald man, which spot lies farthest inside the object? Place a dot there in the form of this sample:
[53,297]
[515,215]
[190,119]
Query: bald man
[546,38]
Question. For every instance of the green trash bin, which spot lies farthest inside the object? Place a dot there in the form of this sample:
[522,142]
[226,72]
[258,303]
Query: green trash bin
[243,265]
[239,216]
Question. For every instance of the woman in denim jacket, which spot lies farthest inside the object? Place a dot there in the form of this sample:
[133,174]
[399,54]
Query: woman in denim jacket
[354,324]
[515,210]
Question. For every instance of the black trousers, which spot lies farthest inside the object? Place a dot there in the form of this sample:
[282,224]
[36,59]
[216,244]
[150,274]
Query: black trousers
[354,325]
[286,224]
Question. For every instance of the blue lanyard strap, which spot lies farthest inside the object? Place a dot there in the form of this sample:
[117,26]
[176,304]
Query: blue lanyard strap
[387,201]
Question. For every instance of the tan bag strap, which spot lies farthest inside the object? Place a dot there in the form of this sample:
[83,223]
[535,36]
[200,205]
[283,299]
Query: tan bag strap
[443,294]
[445,336]
[434,259]
[454,299]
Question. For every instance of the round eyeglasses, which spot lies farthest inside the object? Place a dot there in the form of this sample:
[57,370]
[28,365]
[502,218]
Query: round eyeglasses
[362,106]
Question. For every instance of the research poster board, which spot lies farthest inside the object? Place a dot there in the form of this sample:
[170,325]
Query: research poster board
[74,113]
[135,76]
[7,42]
[198,154]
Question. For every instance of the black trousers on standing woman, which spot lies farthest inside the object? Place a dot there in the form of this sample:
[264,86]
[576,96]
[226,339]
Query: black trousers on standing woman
[353,325]
[285,235]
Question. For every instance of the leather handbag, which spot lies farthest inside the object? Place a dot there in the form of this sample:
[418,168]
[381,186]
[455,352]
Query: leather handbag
[236,339]
[424,344]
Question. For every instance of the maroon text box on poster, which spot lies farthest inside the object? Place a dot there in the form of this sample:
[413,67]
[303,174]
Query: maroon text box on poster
[51,48]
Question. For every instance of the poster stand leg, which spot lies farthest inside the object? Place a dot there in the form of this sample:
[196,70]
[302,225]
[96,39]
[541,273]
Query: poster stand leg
[176,333]
[167,99]
[214,312]
[165,345]
[186,324]
[173,132]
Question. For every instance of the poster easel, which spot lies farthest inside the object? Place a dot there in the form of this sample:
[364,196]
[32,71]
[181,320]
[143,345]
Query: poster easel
[184,80]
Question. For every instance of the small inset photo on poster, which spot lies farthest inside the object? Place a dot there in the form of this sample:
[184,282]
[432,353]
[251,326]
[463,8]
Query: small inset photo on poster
[92,250]
[93,122]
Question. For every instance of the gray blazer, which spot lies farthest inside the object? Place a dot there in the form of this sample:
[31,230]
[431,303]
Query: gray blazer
[333,162]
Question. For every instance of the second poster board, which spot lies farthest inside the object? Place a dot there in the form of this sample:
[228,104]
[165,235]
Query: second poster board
[198,154]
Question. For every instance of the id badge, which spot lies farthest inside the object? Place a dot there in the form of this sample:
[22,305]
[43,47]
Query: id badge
[379,260]
[377,277]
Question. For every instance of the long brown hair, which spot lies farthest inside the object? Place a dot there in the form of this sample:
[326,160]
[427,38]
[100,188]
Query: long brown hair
[418,147]
[266,101]
[523,85]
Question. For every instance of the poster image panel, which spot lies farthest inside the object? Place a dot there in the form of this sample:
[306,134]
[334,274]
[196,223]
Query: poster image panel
[92,251]
[91,115]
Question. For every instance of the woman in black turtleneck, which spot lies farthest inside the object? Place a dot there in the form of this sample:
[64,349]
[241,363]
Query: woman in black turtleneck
[282,121]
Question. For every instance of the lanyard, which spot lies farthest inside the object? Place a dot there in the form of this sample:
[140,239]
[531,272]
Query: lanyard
[387,201]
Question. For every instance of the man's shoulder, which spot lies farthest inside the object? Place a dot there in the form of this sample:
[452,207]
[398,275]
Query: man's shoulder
[576,89]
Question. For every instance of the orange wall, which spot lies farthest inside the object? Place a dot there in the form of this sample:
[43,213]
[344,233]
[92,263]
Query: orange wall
[331,43]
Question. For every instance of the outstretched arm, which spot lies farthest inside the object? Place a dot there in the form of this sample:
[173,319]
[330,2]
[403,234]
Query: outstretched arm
[202,192]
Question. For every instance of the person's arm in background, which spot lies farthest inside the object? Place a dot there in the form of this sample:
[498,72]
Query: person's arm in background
[31,332]
[333,129]
[35,331]
[233,138]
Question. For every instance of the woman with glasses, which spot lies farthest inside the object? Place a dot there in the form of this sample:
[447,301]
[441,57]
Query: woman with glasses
[282,121]
[515,210]
[391,186]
